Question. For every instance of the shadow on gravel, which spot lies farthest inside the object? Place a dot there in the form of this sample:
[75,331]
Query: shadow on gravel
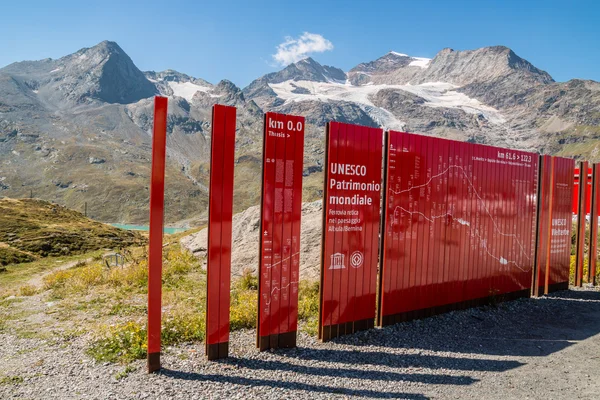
[350,373]
[525,327]
[409,361]
[238,380]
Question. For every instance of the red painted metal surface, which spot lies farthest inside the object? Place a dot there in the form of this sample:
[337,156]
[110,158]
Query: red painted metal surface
[281,208]
[220,208]
[544,221]
[351,222]
[458,228]
[157,197]
[576,191]
[581,222]
[593,242]
[559,262]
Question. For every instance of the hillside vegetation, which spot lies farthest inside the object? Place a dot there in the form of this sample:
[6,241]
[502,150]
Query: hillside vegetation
[31,228]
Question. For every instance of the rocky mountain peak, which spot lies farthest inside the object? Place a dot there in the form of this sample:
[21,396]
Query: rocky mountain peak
[104,72]
[304,70]
[106,45]
[480,65]
[307,70]
[392,62]
[226,86]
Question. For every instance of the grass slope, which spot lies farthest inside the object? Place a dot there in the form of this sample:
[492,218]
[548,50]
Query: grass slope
[31,228]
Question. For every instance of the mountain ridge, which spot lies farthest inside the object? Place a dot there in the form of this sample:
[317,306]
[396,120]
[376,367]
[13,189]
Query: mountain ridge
[78,129]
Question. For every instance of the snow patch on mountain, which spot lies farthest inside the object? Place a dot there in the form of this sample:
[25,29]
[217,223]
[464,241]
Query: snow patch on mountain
[421,62]
[435,94]
[330,91]
[187,90]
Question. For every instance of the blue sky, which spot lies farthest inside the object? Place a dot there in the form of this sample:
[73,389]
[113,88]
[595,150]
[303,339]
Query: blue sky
[236,40]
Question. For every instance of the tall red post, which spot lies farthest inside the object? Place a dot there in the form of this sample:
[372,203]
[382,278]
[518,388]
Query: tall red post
[220,208]
[581,220]
[542,227]
[593,247]
[157,201]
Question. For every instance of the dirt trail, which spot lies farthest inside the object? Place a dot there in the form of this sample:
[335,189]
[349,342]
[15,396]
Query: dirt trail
[38,280]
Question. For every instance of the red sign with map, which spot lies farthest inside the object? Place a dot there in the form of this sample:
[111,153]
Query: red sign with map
[351,224]
[281,209]
[220,208]
[459,228]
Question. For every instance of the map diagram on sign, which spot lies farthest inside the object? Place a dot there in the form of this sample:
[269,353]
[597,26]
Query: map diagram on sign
[399,210]
[468,198]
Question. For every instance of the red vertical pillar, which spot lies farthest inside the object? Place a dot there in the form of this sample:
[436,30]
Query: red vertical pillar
[543,229]
[550,217]
[593,247]
[220,210]
[157,201]
[581,211]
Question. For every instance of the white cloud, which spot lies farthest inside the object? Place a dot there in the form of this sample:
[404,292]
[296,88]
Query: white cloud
[292,50]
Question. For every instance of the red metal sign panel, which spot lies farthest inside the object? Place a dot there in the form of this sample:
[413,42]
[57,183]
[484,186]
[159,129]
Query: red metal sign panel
[281,208]
[554,231]
[561,224]
[220,208]
[581,222]
[459,225]
[157,201]
[593,242]
[351,220]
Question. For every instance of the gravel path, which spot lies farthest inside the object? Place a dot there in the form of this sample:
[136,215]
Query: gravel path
[532,348]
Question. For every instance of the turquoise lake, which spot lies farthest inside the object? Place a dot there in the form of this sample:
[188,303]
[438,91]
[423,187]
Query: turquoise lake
[145,228]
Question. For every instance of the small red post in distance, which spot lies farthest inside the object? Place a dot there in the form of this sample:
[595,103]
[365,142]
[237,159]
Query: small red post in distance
[593,246]
[281,207]
[220,211]
[580,242]
[157,201]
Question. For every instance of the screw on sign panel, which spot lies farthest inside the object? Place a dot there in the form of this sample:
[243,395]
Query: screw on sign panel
[157,197]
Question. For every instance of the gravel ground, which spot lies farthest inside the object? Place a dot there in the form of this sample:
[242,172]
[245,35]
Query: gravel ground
[531,348]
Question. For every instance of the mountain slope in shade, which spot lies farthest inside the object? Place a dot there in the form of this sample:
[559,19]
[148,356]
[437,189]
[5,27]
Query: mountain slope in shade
[78,129]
